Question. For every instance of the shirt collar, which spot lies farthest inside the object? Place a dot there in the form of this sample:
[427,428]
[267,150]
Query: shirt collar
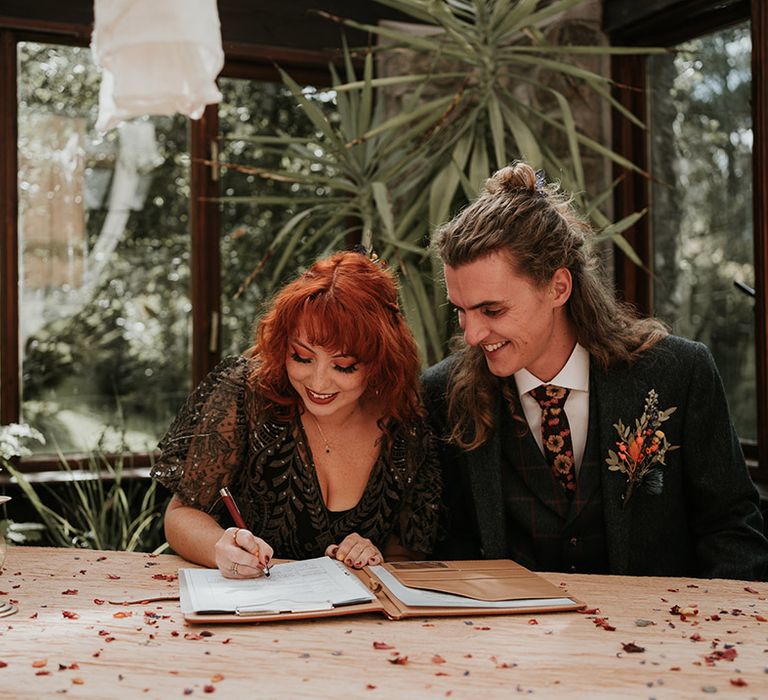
[574,375]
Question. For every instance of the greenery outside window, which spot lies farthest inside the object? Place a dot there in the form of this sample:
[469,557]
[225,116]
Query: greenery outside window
[128,278]
[104,261]
[706,155]
[701,205]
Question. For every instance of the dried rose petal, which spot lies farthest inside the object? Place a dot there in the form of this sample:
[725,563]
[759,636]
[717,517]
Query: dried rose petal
[70,591]
[399,660]
[437,659]
[39,663]
[382,645]
[69,615]
[165,577]
[603,622]
[740,682]
[123,613]
[632,648]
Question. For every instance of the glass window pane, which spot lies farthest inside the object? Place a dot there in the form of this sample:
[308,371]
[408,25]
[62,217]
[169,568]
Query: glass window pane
[251,269]
[701,128]
[104,261]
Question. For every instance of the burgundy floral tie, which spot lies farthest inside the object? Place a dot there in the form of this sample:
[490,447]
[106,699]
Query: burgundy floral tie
[556,434]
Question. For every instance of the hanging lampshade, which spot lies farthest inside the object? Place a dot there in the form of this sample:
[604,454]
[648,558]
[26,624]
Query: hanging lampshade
[157,57]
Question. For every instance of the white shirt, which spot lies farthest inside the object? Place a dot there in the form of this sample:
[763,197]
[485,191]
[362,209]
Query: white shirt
[574,376]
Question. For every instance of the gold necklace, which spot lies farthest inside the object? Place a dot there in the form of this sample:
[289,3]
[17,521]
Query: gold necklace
[322,434]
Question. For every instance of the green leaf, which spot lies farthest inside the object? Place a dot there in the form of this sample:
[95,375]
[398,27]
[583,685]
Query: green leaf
[443,188]
[537,18]
[434,107]
[560,67]
[497,131]
[506,20]
[418,308]
[314,113]
[623,224]
[627,249]
[366,99]
[381,198]
[479,170]
[573,141]
[527,143]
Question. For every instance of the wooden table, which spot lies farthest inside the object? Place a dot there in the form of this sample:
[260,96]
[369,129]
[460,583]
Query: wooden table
[698,637]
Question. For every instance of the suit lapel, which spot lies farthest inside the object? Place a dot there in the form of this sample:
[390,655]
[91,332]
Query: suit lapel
[484,471]
[590,477]
[611,391]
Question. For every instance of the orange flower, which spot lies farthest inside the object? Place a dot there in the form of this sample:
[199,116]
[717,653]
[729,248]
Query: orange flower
[555,443]
[636,449]
[563,463]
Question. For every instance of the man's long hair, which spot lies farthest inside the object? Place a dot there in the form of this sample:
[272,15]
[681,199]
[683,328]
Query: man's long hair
[538,231]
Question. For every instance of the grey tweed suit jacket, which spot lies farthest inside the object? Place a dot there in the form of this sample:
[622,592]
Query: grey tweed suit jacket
[706,521]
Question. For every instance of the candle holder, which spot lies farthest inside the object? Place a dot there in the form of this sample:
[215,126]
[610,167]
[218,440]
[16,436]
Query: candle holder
[6,608]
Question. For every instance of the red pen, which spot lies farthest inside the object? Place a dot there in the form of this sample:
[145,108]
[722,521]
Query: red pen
[234,511]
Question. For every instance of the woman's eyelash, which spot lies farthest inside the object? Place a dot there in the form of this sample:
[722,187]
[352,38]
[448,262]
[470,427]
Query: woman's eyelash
[306,360]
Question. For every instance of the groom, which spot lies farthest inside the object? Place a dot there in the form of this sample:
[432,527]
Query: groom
[576,436]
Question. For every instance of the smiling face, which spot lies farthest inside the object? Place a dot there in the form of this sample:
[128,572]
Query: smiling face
[329,383]
[516,323]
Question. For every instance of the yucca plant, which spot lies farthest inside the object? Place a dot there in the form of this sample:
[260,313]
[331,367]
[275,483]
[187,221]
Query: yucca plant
[485,95]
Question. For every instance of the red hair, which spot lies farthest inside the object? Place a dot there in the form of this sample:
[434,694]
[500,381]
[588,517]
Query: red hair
[345,303]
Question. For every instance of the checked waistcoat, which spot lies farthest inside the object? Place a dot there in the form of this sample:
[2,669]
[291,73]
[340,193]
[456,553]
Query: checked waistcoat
[546,529]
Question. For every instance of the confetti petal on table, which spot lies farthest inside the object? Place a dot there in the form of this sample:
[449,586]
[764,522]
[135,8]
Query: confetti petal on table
[399,660]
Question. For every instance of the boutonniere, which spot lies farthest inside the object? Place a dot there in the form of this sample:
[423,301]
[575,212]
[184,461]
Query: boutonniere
[641,450]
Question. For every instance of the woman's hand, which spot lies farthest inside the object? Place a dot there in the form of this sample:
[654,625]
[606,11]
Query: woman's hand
[355,551]
[240,554]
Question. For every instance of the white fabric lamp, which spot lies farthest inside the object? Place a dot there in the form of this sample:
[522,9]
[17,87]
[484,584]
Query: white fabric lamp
[157,57]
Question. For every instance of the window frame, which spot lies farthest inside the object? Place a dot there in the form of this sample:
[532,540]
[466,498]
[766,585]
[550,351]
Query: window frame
[673,25]
[242,61]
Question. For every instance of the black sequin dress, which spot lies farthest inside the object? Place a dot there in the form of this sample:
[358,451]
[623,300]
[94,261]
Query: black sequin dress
[217,441]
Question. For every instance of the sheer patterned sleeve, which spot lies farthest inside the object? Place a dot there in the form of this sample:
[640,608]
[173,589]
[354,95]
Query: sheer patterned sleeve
[420,515]
[207,441]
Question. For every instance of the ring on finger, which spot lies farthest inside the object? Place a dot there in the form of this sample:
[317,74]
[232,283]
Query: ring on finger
[234,568]
[234,534]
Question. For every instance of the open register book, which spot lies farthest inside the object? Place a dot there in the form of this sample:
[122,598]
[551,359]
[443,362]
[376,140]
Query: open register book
[324,587]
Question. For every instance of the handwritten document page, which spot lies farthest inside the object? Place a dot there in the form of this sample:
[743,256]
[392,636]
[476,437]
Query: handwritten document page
[312,584]
[416,597]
